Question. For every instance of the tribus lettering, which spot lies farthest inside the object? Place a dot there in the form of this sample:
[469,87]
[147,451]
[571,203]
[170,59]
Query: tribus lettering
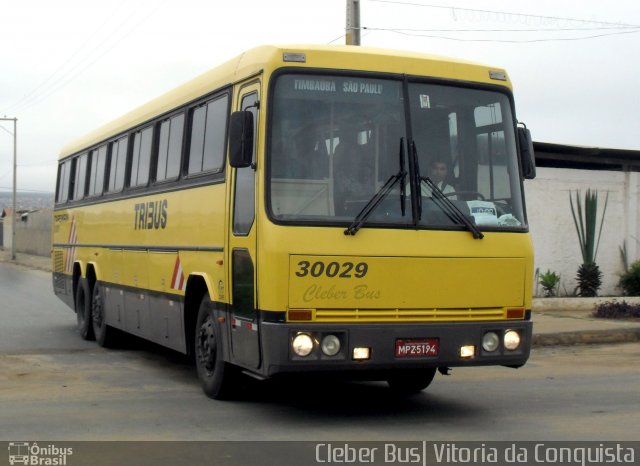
[150,215]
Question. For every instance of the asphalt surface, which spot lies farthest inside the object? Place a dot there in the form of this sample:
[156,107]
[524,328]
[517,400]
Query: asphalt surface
[556,321]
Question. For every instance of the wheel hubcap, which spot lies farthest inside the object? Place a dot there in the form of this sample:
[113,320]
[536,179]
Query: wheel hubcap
[207,346]
[97,310]
[80,307]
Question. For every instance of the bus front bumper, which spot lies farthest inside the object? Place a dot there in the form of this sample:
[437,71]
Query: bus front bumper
[388,347]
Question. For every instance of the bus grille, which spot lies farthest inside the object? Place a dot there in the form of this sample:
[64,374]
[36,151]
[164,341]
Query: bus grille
[408,315]
[58,261]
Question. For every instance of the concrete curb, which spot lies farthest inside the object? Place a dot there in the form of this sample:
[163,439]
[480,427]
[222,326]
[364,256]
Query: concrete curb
[586,337]
[577,303]
[30,262]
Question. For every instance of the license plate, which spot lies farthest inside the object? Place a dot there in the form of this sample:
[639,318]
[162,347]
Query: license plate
[417,348]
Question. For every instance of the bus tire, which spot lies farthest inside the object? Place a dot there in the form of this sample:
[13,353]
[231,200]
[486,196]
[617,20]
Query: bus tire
[409,382]
[83,309]
[218,378]
[105,335]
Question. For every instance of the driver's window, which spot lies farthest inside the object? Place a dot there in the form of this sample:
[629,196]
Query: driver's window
[244,206]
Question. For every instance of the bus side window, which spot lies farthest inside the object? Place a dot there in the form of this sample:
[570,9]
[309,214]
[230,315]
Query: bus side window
[96,177]
[64,172]
[118,164]
[141,157]
[80,176]
[170,148]
[207,141]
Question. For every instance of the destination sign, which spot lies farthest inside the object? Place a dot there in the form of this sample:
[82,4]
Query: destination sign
[346,88]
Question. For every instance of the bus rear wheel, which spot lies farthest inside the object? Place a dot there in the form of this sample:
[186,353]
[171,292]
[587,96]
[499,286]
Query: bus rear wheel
[218,378]
[409,382]
[105,335]
[83,309]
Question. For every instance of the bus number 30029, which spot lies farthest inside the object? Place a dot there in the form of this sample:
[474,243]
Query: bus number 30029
[332,269]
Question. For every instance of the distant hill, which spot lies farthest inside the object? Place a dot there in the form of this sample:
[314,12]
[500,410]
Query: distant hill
[26,201]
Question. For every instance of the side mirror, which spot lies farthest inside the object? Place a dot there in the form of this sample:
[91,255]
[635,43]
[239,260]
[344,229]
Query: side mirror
[241,139]
[527,155]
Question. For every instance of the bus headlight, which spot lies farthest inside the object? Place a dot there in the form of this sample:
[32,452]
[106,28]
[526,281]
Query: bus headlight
[511,340]
[490,342]
[302,344]
[330,345]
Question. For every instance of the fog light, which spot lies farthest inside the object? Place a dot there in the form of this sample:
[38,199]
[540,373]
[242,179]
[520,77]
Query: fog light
[467,351]
[330,345]
[360,354]
[302,344]
[490,342]
[511,340]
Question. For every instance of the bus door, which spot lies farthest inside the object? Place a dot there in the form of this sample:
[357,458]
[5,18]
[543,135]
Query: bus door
[245,332]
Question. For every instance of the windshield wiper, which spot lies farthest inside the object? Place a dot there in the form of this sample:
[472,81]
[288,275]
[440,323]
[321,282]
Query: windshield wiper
[449,208]
[445,204]
[403,173]
[377,198]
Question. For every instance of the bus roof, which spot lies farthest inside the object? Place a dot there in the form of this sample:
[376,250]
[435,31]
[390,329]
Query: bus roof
[270,57]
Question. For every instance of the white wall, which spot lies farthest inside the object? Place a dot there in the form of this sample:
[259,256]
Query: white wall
[7,236]
[554,234]
[33,236]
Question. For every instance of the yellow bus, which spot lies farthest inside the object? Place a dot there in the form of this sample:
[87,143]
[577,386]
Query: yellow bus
[307,209]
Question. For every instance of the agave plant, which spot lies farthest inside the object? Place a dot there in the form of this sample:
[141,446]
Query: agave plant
[589,276]
[550,282]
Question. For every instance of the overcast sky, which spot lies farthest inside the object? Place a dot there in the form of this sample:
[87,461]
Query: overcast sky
[69,66]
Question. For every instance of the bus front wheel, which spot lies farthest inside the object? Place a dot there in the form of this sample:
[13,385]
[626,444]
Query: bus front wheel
[218,377]
[413,381]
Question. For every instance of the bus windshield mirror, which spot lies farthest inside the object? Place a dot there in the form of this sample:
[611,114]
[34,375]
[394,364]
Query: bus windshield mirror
[377,198]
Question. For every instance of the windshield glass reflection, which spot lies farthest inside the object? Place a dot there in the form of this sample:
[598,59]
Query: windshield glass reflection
[334,143]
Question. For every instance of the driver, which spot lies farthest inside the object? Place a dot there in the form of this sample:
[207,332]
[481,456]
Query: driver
[438,172]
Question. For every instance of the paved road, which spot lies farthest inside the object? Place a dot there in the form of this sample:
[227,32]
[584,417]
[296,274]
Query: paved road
[55,386]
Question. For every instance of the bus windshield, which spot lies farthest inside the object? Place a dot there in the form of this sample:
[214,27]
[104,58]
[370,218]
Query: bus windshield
[337,140]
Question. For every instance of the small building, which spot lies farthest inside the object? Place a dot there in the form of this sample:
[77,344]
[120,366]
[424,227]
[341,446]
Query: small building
[5,228]
[563,170]
[33,231]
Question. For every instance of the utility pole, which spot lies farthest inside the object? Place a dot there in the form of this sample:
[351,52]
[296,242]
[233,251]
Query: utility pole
[13,217]
[353,22]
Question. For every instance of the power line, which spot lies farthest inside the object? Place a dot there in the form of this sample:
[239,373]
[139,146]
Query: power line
[77,70]
[613,28]
[38,164]
[336,39]
[502,30]
[27,190]
[512,41]
[58,70]
[504,13]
